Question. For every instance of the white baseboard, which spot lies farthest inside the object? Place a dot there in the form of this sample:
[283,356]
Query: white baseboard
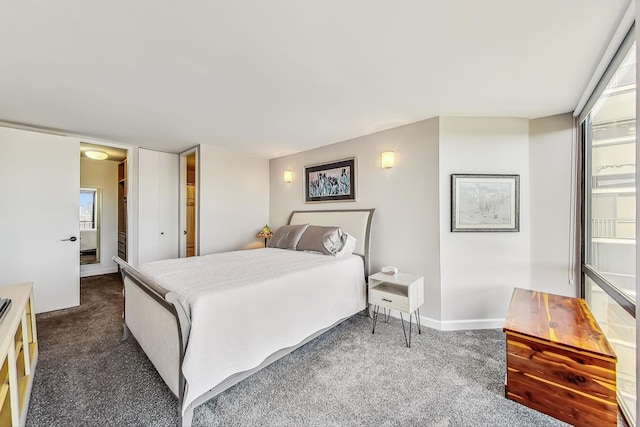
[459,325]
[99,271]
[455,325]
[429,322]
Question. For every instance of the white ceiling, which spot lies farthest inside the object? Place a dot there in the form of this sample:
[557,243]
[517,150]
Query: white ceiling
[276,77]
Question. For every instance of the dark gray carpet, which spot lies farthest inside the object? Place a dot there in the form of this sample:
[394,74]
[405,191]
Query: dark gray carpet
[87,377]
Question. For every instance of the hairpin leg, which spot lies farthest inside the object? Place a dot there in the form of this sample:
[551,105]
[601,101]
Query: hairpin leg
[407,341]
[410,325]
[376,310]
[418,319]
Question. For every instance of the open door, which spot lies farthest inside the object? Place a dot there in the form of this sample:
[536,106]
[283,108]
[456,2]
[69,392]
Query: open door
[39,211]
[189,183]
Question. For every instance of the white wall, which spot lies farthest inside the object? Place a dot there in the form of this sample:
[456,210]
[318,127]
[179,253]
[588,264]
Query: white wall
[405,229]
[234,200]
[469,277]
[550,152]
[103,174]
[480,270]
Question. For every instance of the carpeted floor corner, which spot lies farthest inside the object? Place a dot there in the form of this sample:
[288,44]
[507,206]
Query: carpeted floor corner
[347,377]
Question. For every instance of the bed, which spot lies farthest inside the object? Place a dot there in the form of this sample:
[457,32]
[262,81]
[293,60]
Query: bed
[208,322]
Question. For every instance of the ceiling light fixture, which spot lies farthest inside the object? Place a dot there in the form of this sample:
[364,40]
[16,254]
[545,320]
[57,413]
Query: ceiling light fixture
[96,155]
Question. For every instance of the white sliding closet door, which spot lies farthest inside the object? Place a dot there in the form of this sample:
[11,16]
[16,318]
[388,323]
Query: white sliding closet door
[39,216]
[158,184]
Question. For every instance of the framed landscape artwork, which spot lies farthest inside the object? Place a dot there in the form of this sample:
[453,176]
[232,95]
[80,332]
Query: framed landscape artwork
[485,202]
[330,182]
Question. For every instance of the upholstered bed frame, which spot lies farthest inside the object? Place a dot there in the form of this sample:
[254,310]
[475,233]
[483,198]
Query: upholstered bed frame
[161,326]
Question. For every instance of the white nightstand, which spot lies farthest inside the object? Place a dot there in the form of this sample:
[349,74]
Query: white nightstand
[403,292]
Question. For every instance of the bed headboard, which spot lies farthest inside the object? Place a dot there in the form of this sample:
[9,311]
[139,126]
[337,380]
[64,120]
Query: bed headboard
[356,222]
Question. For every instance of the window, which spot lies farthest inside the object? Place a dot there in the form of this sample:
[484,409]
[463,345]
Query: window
[609,133]
[87,209]
[620,329]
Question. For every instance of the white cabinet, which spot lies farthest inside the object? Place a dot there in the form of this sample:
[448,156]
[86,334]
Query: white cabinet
[403,292]
[158,185]
[18,354]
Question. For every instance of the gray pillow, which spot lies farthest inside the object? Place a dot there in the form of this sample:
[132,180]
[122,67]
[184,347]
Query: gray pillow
[287,236]
[326,240]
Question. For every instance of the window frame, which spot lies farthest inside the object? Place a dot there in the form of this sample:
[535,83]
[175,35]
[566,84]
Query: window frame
[585,138]
[94,215]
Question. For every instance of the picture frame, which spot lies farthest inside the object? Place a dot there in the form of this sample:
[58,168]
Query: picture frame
[330,182]
[485,203]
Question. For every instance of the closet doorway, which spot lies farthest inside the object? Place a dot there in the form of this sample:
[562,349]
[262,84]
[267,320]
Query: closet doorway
[189,183]
[102,206]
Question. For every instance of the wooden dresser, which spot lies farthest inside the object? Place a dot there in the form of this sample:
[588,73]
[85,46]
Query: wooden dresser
[18,354]
[558,360]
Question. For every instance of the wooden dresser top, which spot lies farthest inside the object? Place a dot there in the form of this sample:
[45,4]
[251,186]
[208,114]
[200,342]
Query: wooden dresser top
[557,319]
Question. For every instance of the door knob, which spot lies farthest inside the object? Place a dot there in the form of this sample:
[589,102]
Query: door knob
[185,232]
[70,239]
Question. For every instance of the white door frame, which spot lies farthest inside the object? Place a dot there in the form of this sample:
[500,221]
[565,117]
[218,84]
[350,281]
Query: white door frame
[132,194]
[183,201]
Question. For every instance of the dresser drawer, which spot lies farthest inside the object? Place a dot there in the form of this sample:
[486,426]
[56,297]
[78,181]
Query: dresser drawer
[122,237]
[387,299]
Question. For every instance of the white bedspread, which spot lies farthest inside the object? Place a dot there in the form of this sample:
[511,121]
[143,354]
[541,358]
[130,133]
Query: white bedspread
[246,305]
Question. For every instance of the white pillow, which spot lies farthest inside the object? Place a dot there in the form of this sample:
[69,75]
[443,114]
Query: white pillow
[324,240]
[349,246]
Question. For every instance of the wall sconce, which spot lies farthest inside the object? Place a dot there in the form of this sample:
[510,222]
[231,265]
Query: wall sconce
[288,176]
[387,159]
